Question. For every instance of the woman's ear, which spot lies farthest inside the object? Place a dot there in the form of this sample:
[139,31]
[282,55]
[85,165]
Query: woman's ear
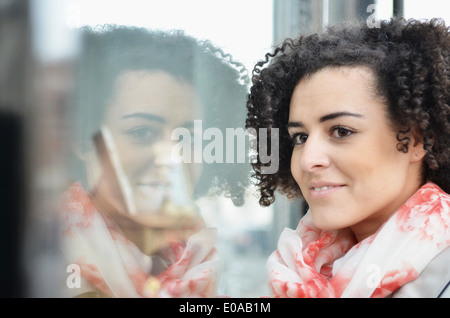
[90,165]
[416,149]
[78,152]
[411,143]
[82,150]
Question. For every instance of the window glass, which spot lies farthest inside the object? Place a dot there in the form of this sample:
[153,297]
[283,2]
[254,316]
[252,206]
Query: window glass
[135,116]
[156,143]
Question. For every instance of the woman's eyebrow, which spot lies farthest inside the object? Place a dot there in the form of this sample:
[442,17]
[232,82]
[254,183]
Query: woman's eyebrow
[299,124]
[296,124]
[338,114]
[147,116]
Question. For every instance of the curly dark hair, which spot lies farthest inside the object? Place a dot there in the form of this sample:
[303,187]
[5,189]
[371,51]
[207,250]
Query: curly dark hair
[220,81]
[410,60]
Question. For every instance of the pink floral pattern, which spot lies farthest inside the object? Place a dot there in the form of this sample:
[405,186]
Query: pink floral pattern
[78,207]
[113,266]
[310,262]
[393,280]
[92,274]
[423,212]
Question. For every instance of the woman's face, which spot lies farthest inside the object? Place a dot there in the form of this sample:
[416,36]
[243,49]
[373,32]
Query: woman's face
[345,159]
[143,112]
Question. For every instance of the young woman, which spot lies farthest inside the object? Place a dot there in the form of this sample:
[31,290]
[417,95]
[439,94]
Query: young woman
[129,223]
[363,118]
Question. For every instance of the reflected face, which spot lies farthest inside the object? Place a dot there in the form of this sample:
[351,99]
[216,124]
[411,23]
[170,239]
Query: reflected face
[345,157]
[145,109]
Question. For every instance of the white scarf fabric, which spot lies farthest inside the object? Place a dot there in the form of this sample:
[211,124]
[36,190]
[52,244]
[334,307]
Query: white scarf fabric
[311,262]
[113,266]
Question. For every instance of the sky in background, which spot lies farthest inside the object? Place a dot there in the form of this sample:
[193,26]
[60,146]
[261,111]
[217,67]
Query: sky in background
[243,28]
[420,9]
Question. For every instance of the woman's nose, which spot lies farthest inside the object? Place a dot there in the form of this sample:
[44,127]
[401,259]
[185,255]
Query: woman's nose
[314,155]
[163,154]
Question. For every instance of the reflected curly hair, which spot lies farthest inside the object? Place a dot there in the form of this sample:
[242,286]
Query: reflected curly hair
[220,81]
[410,60]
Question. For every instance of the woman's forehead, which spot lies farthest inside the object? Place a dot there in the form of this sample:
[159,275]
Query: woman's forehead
[333,92]
[329,84]
[155,92]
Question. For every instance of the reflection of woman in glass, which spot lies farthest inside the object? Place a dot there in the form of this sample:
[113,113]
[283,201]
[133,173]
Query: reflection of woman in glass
[128,220]
[364,138]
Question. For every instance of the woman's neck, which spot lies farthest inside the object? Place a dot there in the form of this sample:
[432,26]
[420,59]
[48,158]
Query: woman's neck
[372,224]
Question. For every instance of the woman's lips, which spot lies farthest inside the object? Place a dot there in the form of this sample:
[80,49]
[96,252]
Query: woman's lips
[319,190]
[160,185]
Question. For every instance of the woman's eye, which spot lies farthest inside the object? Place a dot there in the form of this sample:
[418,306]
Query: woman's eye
[142,134]
[341,132]
[299,139]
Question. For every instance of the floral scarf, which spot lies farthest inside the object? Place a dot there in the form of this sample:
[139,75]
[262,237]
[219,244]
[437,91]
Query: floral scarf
[311,262]
[112,266]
